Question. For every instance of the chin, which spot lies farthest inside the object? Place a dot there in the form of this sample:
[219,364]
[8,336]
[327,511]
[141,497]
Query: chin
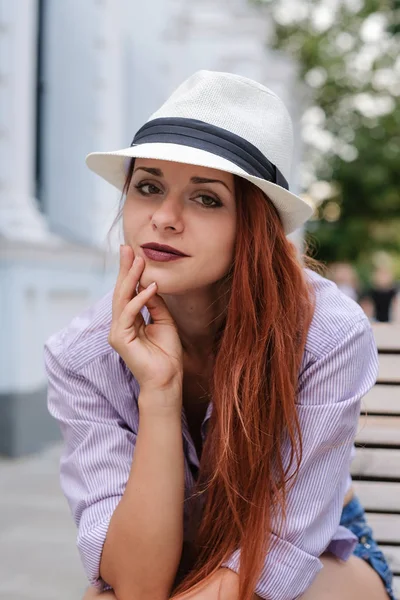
[172,286]
[164,283]
[175,283]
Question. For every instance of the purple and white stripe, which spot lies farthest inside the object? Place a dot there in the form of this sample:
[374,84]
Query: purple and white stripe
[93,396]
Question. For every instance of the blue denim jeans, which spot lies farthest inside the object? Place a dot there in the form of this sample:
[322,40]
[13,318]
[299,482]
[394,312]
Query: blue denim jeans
[353,517]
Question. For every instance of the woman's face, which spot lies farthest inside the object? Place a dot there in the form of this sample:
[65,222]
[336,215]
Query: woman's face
[189,208]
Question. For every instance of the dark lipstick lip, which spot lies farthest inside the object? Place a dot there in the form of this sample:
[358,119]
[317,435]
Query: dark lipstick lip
[163,248]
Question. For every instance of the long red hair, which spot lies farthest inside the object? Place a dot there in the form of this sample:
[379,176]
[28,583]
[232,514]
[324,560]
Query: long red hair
[240,493]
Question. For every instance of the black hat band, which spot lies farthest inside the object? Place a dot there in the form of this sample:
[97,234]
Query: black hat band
[219,141]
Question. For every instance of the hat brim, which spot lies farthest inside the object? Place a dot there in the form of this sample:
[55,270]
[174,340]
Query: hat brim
[112,166]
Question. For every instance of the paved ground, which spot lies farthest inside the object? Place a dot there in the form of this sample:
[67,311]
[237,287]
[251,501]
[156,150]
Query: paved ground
[38,556]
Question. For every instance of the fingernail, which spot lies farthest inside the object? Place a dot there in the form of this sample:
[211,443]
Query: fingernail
[152,285]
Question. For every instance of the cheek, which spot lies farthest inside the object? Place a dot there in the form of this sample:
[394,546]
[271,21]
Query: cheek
[221,244]
[132,220]
[227,235]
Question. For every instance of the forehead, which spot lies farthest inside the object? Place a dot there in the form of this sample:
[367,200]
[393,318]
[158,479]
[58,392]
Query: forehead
[174,170]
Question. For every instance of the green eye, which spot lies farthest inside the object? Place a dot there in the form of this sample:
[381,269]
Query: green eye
[153,189]
[209,201]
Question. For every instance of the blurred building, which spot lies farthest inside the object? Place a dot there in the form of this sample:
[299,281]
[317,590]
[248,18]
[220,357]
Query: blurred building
[76,77]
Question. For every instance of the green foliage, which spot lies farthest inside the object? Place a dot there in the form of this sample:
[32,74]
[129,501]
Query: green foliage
[355,80]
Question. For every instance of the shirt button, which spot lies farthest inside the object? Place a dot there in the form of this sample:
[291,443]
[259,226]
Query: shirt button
[364,542]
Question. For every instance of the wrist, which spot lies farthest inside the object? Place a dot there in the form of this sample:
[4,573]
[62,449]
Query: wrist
[165,401]
[174,384]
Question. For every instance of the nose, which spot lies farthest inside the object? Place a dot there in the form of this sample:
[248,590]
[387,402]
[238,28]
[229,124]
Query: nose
[168,214]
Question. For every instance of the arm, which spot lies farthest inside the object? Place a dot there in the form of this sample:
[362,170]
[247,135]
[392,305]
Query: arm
[97,464]
[93,593]
[328,404]
[144,540]
[227,590]
[223,585]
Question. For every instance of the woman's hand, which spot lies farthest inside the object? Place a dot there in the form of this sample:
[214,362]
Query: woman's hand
[152,352]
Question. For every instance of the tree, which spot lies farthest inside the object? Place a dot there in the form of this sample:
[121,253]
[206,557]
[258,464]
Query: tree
[348,53]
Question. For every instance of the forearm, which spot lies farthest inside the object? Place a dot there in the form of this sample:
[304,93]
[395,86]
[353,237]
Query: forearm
[144,541]
[227,590]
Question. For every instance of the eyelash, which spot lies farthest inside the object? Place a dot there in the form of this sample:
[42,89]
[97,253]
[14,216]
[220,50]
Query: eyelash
[140,187]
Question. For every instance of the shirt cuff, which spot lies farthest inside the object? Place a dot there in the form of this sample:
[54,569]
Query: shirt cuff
[90,546]
[343,543]
[287,571]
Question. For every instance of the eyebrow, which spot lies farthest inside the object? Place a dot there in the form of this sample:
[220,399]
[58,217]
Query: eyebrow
[159,173]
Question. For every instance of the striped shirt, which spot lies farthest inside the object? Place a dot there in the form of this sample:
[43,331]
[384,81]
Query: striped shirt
[94,397]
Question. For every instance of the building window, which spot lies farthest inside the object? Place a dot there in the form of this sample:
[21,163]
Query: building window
[39,101]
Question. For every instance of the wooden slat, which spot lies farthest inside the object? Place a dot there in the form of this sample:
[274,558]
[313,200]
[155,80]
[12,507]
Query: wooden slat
[379,430]
[392,554]
[386,528]
[378,495]
[381,462]
[376,463]
[389,368]
[382,399]
[387,336]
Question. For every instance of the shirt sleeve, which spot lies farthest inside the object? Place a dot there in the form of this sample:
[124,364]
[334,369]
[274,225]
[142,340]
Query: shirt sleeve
[97,456]
[328,404]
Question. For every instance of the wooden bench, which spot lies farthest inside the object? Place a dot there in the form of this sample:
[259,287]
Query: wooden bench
[376,467]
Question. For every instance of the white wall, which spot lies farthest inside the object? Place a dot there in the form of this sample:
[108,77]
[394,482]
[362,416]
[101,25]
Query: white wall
[83,102]
[44,280]
[17,93]
[41,291]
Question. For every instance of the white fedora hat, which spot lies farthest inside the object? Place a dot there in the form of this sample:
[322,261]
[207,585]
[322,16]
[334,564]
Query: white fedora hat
[221,121]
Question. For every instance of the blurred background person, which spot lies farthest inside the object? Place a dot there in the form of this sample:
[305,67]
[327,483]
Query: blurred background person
[346,278]
[381,300]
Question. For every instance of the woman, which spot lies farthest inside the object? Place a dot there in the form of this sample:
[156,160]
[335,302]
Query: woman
[169,488]
[381,301]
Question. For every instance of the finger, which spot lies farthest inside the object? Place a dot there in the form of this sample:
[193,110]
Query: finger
[127,288]
[125,262]
[132,309]
[126,257]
